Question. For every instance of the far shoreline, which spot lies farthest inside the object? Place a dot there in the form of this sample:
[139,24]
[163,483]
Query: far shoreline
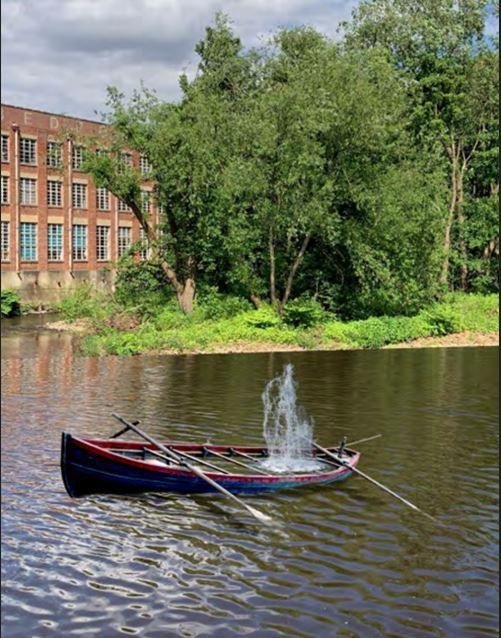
[455,340]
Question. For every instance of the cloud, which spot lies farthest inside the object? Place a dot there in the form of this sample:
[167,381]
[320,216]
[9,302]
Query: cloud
[61,55]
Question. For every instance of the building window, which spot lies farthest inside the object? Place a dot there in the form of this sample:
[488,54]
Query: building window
[77,157]
[143,253]
[145,202]
[55,242]
[144,165]
[5,148]
[124,239]
[79,195]
[27,151]
[102,199]
[54,193]
[5,189]
[28,241]
[79,242]
[122,207]
[125,162]
[53,154]
[28,191]
[5,241]
[102,243]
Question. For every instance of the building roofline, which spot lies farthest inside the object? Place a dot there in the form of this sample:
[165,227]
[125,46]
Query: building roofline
[69,117]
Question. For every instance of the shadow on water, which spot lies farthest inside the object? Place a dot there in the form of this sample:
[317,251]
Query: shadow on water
[342,560]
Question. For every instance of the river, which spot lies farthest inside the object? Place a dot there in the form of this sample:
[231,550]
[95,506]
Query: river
[345,560]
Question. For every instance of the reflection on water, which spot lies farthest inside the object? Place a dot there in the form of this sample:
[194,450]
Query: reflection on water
[341,561]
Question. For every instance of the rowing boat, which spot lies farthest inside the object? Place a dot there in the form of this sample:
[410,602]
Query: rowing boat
[91,466]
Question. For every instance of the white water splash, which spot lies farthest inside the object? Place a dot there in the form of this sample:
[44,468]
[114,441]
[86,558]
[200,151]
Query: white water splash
[286,428]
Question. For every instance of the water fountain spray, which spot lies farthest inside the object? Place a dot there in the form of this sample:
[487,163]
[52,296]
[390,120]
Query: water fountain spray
[287,430]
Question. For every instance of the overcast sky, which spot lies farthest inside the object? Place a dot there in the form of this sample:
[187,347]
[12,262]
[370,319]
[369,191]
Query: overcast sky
[60,55]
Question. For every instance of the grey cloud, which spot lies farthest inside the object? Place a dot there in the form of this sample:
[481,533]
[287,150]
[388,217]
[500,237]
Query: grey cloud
[60,55]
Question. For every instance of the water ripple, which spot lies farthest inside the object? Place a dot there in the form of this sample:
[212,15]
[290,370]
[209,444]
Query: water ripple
[344,560]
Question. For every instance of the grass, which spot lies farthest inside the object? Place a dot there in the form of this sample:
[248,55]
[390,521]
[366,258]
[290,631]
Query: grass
[119,330]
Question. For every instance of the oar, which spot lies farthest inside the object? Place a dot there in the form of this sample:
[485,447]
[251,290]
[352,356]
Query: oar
[370,438]
[371,480]
[197,471]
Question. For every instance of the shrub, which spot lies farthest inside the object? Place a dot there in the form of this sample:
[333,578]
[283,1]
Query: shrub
[304,312]
[82,301]
[141,285]
[214,305]
[377,332]
[443,319]
[264,317]
[10,303]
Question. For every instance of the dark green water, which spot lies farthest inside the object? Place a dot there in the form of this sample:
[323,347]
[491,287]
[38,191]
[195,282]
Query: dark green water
[344,561]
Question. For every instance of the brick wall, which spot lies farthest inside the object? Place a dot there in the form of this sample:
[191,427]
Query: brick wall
[44,127]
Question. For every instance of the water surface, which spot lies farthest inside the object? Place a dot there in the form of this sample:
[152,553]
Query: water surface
[344,560]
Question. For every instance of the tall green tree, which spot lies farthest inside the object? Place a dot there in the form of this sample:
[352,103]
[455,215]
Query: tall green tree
[186,148]
[442,54]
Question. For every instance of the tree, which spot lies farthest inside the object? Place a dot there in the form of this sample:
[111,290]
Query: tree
[441,52]
[187,155]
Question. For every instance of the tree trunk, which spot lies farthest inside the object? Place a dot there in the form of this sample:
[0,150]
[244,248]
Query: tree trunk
[186,296]
[271,247]
[453,154]
[292,272]
[462,242]
[256,300]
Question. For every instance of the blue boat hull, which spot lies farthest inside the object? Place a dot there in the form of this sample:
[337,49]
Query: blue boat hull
[86,473]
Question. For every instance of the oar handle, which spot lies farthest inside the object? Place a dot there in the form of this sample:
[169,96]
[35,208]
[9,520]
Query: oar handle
[195,470]
[371,480]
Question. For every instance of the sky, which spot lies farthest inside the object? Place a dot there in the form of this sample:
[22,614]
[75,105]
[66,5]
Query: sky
[60,55]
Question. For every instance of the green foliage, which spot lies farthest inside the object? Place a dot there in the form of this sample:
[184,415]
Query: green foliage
[141,285]
[304,312]
[264,317]
[171,329]
[479,313]
[214,305]
[83,301]
[443,320]
[10,303]
[380,331]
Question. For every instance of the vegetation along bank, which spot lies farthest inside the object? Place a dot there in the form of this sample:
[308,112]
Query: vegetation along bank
[221,323]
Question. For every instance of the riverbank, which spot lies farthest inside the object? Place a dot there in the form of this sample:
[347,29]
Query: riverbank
[460,320]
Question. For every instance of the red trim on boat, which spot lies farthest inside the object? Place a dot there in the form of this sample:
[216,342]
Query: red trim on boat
[99,447]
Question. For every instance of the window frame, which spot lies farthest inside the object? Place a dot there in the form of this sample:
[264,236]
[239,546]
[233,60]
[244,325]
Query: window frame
[5,240]
[5,147]
[32,191]
[5,181]
[144,165]
[77,157]
[33,241]
[59,236]
[50,193]
[84,256]
[28,141]
[121,247]
[102,256]
[54,157]
[83,187]
[99,200]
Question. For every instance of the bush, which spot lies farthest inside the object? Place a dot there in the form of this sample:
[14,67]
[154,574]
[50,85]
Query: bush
[10,303]
[141,285]
[443,320]
[381,331]
[304,312]
[264,317]
[82,301]
[214,305]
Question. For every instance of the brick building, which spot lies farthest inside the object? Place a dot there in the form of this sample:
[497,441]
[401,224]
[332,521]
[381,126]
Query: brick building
[57,228]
